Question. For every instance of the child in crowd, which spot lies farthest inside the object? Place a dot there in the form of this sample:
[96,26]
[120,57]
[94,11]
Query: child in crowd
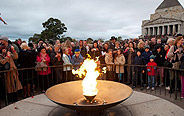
[138,71]
[151,68]
[119,61]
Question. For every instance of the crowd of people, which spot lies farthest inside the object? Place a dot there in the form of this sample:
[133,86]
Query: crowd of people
[132,61]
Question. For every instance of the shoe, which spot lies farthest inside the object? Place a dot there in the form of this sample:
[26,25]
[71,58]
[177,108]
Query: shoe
[152,88]
[142,88]
[161,85]
[182,97]
[167,88]
[148,88]
[156,84]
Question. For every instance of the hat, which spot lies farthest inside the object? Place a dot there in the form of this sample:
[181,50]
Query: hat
[152,57]
[147,46]
[4,38]
[24,46]
[77,51]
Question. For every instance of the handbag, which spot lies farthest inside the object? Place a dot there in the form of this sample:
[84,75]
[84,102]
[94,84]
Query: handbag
[41,66]
[167,64]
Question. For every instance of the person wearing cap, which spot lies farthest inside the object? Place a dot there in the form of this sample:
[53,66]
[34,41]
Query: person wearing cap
[147,53]
[151,69]
[77,59]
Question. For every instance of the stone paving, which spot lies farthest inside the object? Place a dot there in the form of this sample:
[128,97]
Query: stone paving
[139,104]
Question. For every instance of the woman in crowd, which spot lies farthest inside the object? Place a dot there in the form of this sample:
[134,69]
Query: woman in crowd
[95,51]
[109,62]
[56,60]
[12,81]
[175,53]
[67,69]
[130,54]
[44,59]
[26,76]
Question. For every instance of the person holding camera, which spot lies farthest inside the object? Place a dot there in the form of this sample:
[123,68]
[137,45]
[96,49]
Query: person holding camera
[175,53]
[7,57]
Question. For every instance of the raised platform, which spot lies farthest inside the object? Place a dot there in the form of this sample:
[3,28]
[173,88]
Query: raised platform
[139,104]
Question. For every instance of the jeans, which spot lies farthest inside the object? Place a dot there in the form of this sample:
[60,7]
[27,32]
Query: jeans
[151,79]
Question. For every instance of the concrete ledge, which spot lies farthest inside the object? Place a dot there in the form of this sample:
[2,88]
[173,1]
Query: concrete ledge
[139,104]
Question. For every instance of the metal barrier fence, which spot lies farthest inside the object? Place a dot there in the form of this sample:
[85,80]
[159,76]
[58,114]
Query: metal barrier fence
[135,76]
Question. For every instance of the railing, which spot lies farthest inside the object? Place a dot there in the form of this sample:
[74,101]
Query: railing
[34,84]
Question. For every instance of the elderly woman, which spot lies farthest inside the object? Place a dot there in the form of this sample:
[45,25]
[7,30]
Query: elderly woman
[175,53]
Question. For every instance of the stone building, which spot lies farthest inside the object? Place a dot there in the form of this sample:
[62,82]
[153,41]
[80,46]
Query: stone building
[168,19]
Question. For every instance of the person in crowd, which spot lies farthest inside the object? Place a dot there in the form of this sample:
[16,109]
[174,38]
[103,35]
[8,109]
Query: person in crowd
[170,42]
[109,62]
[7,57]
[77,59]
[159,60]
[56,60]
[86,45]
[182,76]
[138,70]
[152,44]
[146,54]
[26,77]
[69,47]
[141,46]
[117,46]
[119,61]
[44,59]
[130,54]
[68,62]
[174,54]
[112,42]
[95,51]
[151,69]
[82,49]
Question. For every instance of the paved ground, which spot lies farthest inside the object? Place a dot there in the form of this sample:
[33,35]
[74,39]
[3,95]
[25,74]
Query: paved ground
[139,104]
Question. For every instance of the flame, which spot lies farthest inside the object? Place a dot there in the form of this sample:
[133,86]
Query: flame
[89,69]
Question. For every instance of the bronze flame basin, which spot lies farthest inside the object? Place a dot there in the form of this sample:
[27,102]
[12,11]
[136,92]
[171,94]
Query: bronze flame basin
[67,94]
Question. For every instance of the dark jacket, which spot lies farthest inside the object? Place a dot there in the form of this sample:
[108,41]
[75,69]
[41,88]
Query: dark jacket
[146,56]
[160,58]
[139,60]
[77,61]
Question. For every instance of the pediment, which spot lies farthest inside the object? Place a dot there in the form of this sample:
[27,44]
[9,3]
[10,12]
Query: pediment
[162,20]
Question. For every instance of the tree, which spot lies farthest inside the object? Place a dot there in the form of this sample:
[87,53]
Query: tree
[35,38]
[90,40]
[119,38]
[54,28]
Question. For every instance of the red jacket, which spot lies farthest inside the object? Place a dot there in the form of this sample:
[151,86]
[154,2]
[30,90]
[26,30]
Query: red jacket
[38,59]
[152,67]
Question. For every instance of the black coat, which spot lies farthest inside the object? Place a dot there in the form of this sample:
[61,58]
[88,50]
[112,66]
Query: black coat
[139,60]
[160,58]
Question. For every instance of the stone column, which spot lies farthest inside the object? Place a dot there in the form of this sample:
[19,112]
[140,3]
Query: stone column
[153,30]
[149,31]
[158,31]
[163,30]
[174,29]
[179,28]
[168,29]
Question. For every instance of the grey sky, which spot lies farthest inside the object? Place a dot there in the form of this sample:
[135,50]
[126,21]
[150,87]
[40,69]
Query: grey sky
[83,18]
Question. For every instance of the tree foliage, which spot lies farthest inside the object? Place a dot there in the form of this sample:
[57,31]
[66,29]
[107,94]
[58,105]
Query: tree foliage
[53,30]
